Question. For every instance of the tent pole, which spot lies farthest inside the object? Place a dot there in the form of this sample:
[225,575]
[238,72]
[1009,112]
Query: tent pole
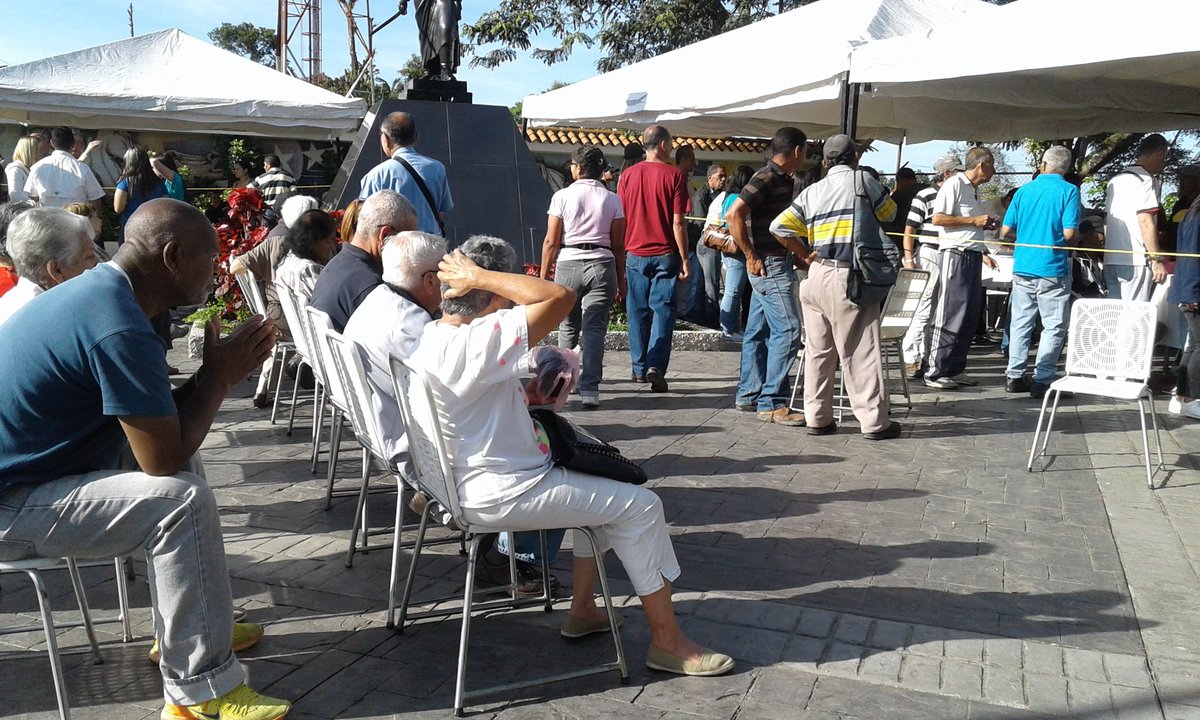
[849,101]
[900,152]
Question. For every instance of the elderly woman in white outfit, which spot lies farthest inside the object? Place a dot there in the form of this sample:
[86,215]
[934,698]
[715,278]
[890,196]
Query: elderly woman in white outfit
[490,318]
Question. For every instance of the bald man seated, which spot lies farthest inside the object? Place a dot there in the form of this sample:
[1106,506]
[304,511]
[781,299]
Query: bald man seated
[97,452]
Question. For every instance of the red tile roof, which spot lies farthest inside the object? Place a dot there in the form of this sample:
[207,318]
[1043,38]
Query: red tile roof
[618,138]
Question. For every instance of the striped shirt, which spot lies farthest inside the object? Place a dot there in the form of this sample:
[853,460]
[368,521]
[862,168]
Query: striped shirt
[274,184]
[919,214]
[767,194]
[824,213]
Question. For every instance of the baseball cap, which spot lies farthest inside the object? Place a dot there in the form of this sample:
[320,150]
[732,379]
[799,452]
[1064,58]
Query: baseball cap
[948,162]
[839,146]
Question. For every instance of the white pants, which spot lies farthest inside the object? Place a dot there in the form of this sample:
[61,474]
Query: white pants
[627,518]
[916,340]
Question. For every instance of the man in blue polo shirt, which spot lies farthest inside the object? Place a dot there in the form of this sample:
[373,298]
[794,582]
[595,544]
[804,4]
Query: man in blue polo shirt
[1045,214]
[420,179]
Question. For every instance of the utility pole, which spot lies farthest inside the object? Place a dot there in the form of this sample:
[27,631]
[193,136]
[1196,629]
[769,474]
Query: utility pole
[130,19]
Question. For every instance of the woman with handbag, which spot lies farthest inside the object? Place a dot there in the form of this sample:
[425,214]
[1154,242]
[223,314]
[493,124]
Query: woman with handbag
[585,236]
[737,281]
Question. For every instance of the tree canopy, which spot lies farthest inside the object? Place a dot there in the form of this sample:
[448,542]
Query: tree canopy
[248,40]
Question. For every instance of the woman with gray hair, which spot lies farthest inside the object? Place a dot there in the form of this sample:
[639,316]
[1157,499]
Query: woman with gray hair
[501,459]
[48,246]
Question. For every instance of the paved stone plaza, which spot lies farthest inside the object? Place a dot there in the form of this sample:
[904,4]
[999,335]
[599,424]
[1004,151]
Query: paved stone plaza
[925,577]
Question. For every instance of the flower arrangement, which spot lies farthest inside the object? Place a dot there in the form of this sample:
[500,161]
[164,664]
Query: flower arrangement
[240,229]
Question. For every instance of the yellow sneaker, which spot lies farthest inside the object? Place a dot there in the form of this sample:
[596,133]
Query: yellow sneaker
[241,703]
[245,636]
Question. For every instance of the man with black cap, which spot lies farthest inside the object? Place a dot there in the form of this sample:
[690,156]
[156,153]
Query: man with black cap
[822,215]
[921,253]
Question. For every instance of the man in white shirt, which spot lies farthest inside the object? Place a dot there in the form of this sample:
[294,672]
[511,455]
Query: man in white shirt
[48,246]
[58,179]
[961,220]
[1132,203]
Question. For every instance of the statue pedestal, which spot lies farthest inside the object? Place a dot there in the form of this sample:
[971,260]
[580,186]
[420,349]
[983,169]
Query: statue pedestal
[436,91]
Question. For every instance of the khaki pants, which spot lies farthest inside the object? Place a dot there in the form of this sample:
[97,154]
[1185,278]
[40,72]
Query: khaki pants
[838,329]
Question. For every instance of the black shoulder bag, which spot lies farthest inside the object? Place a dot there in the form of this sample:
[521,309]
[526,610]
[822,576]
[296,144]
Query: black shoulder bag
[874,260]
[424,191]
[574,448]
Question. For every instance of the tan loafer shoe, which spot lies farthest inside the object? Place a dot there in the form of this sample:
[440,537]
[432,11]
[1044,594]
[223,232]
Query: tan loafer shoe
[782,416]
[710,663]
[573,628]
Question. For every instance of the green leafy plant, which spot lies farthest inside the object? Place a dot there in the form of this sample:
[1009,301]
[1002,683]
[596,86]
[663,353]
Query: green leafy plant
[218,309]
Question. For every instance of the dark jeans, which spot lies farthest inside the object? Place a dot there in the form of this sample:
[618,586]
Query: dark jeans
[1187,378]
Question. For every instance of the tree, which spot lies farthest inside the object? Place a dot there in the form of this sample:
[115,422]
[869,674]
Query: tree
[413,69]
[257,43]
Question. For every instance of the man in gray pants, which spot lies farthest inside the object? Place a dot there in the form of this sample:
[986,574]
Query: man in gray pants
[82,390]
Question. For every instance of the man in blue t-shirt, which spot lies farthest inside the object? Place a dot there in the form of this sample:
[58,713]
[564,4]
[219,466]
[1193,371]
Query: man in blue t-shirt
[83,397]
[1044,214]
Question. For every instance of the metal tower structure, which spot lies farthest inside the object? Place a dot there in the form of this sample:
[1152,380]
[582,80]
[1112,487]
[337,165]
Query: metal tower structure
[299,32]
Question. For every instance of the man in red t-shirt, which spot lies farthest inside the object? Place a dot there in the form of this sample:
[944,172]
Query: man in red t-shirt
[654,196]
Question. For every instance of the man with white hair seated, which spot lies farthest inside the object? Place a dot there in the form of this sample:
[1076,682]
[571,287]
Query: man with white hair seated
[48,246]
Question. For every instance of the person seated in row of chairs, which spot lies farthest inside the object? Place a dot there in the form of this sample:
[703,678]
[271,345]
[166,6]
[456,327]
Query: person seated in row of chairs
[491,316]
[112,469]
[48,246]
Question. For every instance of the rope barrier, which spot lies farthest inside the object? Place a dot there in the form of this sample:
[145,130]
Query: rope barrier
[1002,243]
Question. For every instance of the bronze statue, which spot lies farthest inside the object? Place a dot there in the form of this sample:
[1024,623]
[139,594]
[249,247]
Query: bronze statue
[437,25]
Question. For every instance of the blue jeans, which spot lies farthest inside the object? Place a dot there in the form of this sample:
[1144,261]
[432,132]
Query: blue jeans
[529,546]
[708,294]
[772,336]
[650,303]
[1051,299]
[595,286]
[737,284]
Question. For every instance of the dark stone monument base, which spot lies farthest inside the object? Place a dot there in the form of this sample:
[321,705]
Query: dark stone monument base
[436,91]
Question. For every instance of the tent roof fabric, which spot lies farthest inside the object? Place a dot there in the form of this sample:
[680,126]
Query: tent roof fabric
[168,80]
[699,90]
[1111,80]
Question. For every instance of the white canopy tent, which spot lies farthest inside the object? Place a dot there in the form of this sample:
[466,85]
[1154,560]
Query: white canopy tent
[170,81]
[1039,68]
[718,86]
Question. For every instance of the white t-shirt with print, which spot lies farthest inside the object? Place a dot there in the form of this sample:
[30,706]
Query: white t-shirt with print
[495,451]
[1130,192]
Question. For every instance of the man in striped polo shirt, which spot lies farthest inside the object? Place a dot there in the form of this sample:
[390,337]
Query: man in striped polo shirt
[275,182]
[921,253]
[824,216]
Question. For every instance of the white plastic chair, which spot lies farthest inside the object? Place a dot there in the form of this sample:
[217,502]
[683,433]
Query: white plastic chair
[431,462]
[1110,347]
[296,323]
[15,560]
[258,305]
[894,321]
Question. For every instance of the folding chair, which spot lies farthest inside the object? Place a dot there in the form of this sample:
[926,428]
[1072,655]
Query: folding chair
[302,346]
[431,461]
[317,324]
[254,297]
[1110,348]
[16,560]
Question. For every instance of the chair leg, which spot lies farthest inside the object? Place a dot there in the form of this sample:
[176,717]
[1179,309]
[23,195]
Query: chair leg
[361,509]
[1157,436]
[1037,431]
[84,611]
[412,569]
[1145,442]
[460,681]
[295,392]
[280,372]
[60,683]
[123,601]
[799,381]
[903,375]
[547,594]
[335,442]
[1050,422]
[318,420]
[608,604]
[396,532]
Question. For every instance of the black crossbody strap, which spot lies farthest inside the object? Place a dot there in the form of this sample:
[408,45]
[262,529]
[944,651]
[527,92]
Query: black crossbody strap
[424,191]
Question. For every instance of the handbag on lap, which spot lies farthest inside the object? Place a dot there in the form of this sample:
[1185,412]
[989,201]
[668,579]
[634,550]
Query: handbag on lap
[575,448]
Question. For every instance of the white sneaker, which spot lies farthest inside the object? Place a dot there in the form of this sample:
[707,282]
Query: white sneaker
[942,383]
[1190,409]
[965,380]
[589,400]
[1175,406]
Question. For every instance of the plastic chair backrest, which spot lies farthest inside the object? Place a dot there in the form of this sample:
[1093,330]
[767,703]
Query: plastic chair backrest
[902,300]
[426,439]
[347,362]
[1111,339]
[295,321]
[252,293]
[318,326]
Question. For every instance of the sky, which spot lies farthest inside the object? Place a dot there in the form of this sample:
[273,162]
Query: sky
[62,26]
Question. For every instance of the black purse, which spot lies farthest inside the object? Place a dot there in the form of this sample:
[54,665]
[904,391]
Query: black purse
[874,259]
[575,448]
